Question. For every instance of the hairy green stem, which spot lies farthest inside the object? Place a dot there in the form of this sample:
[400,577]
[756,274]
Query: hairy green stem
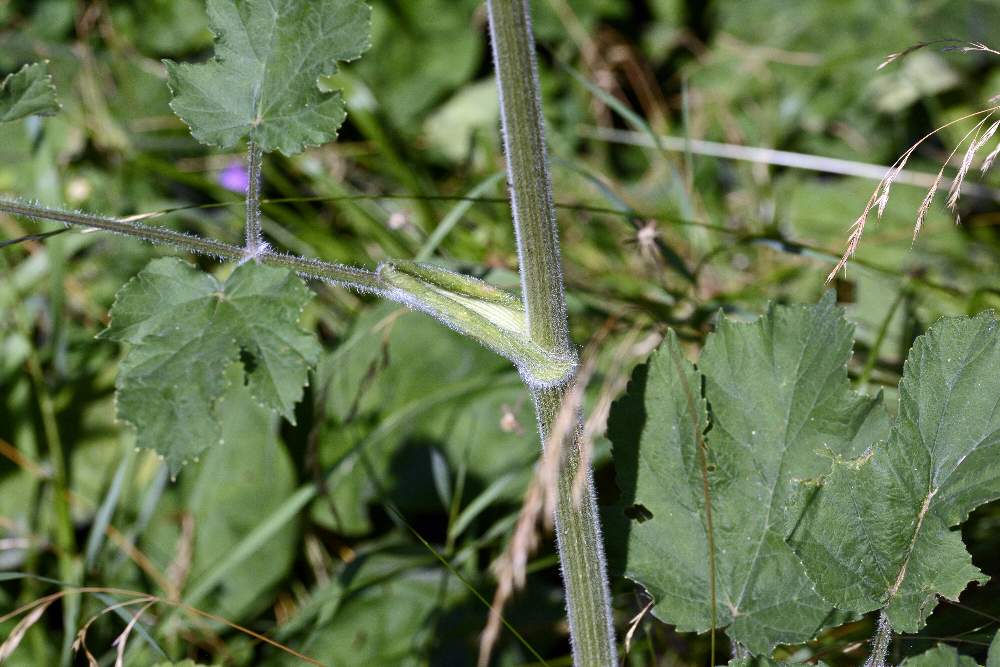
[578,533]
[880,643]
[581,550]
[528,173]
[471,307]
[349,276]
[253,237]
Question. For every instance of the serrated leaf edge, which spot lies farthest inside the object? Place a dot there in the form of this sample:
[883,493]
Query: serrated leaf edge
[169,64]
[213,407]
[49,83]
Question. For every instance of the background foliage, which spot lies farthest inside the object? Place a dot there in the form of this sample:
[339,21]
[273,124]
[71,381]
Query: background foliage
[415,433]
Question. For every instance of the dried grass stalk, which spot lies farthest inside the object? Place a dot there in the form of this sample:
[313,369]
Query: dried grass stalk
[122,640]
[880,198]
[13,640]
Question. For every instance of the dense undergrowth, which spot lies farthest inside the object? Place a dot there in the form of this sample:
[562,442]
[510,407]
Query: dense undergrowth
[361,530]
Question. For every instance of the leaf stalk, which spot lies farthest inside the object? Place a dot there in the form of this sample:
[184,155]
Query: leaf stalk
[340,274]
[254,237]
[880,643]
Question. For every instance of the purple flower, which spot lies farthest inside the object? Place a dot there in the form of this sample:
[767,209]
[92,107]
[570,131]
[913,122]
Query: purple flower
[234,177]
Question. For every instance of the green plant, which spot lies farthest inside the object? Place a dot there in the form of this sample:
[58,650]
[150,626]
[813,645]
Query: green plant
[188,333]
[768,498]
[222,358]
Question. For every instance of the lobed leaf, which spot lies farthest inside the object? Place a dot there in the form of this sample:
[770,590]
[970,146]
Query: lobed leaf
[941,655]
[780,406]
[877,532]
[767,662]
[263,80]
[28,92]
[185,328]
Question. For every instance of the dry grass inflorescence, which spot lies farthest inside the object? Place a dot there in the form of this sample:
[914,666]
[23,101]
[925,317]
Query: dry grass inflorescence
[975,141]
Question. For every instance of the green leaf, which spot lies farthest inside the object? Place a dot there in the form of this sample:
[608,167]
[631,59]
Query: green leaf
[231,498]
[237,486]
[993,657]
[28,92]
[185,328]
[450,54]
[345,373]
[877,532]
[387,611]
[423,385]
[263,80]
[767,662]
[453,127]
[780,401]
[163,27]
[941,655]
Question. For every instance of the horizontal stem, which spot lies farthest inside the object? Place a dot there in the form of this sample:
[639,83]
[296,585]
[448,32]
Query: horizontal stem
[475,309]
[341,274]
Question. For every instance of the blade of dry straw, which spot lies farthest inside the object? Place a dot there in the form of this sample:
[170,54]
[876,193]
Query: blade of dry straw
[881,194]
[122,640]
[17,634]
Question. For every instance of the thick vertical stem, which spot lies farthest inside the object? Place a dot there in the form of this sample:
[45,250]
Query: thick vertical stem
[528,173]
[880,643]
[581,550]
[578,532]
[253,235]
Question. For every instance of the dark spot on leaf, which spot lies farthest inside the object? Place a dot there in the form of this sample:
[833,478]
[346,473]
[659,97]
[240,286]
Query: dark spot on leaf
[638,512]
[249,362]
